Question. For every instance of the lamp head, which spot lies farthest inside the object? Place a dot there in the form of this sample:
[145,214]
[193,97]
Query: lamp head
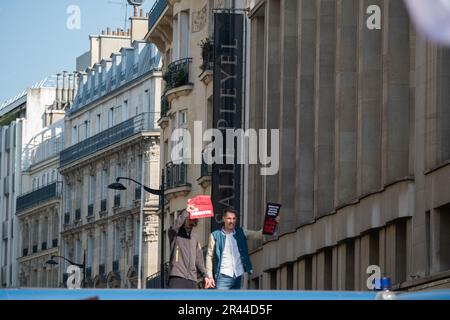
[117,186]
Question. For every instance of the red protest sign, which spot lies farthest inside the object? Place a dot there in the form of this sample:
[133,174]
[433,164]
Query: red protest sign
[200,207]
[270,223]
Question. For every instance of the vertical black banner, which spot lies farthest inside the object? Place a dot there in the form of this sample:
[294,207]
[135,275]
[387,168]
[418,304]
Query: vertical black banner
[228,104]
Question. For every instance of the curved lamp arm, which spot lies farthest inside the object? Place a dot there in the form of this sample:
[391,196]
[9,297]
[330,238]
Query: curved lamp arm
[157,192]
[71,262]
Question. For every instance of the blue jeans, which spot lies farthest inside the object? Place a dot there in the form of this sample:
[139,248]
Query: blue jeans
[224,282]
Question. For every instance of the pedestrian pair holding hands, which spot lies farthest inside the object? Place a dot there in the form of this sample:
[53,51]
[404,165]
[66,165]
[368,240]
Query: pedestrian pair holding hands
[227,256]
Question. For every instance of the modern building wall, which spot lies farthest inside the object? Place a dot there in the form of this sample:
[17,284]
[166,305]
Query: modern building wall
[363,160]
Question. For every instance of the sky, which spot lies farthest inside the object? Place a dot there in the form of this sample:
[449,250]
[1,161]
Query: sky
[39,38]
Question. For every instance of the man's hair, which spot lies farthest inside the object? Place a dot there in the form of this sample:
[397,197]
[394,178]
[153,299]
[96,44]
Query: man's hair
[229,210]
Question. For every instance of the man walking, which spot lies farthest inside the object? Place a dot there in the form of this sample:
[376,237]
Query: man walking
[227,258]
[186,257]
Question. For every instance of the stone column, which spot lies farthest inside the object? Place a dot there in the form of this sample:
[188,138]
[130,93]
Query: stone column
[369,103]
[324,108]
[288,111]
[346,101]
[396,95]
[256,118]
[272,85]
[304,178]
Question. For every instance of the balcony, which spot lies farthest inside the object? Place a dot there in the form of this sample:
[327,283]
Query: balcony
[109,137]
[156,12]
[34,198]
[77,215]
[44,245]
[101,269]
[103,205]
[154,281]
[177,79]
[40,149]
[117,201]
[25,252]
[54,243]
[176,180]
[35,248]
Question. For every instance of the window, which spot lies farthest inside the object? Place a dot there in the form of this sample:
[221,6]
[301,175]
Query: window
[117,115]
[400,251]
[104,185]
[90,252]
[308,273]
[103,247]
[98,123]
[328,270]
[290,276]
[273,280]
[125,110]
[350,265]
[92,185]
[110,117]
[68,199]
[74,135]
[116,243]
[136,237]
[184,34]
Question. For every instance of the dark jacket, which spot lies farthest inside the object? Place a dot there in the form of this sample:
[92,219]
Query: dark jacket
[186,257]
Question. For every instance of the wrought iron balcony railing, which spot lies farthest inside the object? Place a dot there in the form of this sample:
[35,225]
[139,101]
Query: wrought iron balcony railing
[154,281]
[176,175]
[36,197]
[155,12]
[142,122]
[177,74]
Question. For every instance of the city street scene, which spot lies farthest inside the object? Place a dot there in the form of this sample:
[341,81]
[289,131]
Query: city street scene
[225,150]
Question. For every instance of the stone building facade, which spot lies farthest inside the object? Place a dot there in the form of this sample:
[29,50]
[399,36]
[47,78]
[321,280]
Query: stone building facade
[111,131]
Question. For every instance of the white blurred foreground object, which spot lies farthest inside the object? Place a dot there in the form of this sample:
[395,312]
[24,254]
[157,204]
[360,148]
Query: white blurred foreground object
[432,18]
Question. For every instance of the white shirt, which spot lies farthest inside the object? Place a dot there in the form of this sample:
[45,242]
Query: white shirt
[231,259]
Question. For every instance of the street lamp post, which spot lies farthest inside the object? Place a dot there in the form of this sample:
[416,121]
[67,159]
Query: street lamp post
[159,192]
[79,265]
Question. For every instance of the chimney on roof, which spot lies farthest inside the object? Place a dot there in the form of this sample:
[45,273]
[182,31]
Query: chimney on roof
[70,89]
[108,31]
[103,32]
[135,7]
[58,91]
[75,84]
[64,88]
[118,31]
[141,13]
[113,33]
